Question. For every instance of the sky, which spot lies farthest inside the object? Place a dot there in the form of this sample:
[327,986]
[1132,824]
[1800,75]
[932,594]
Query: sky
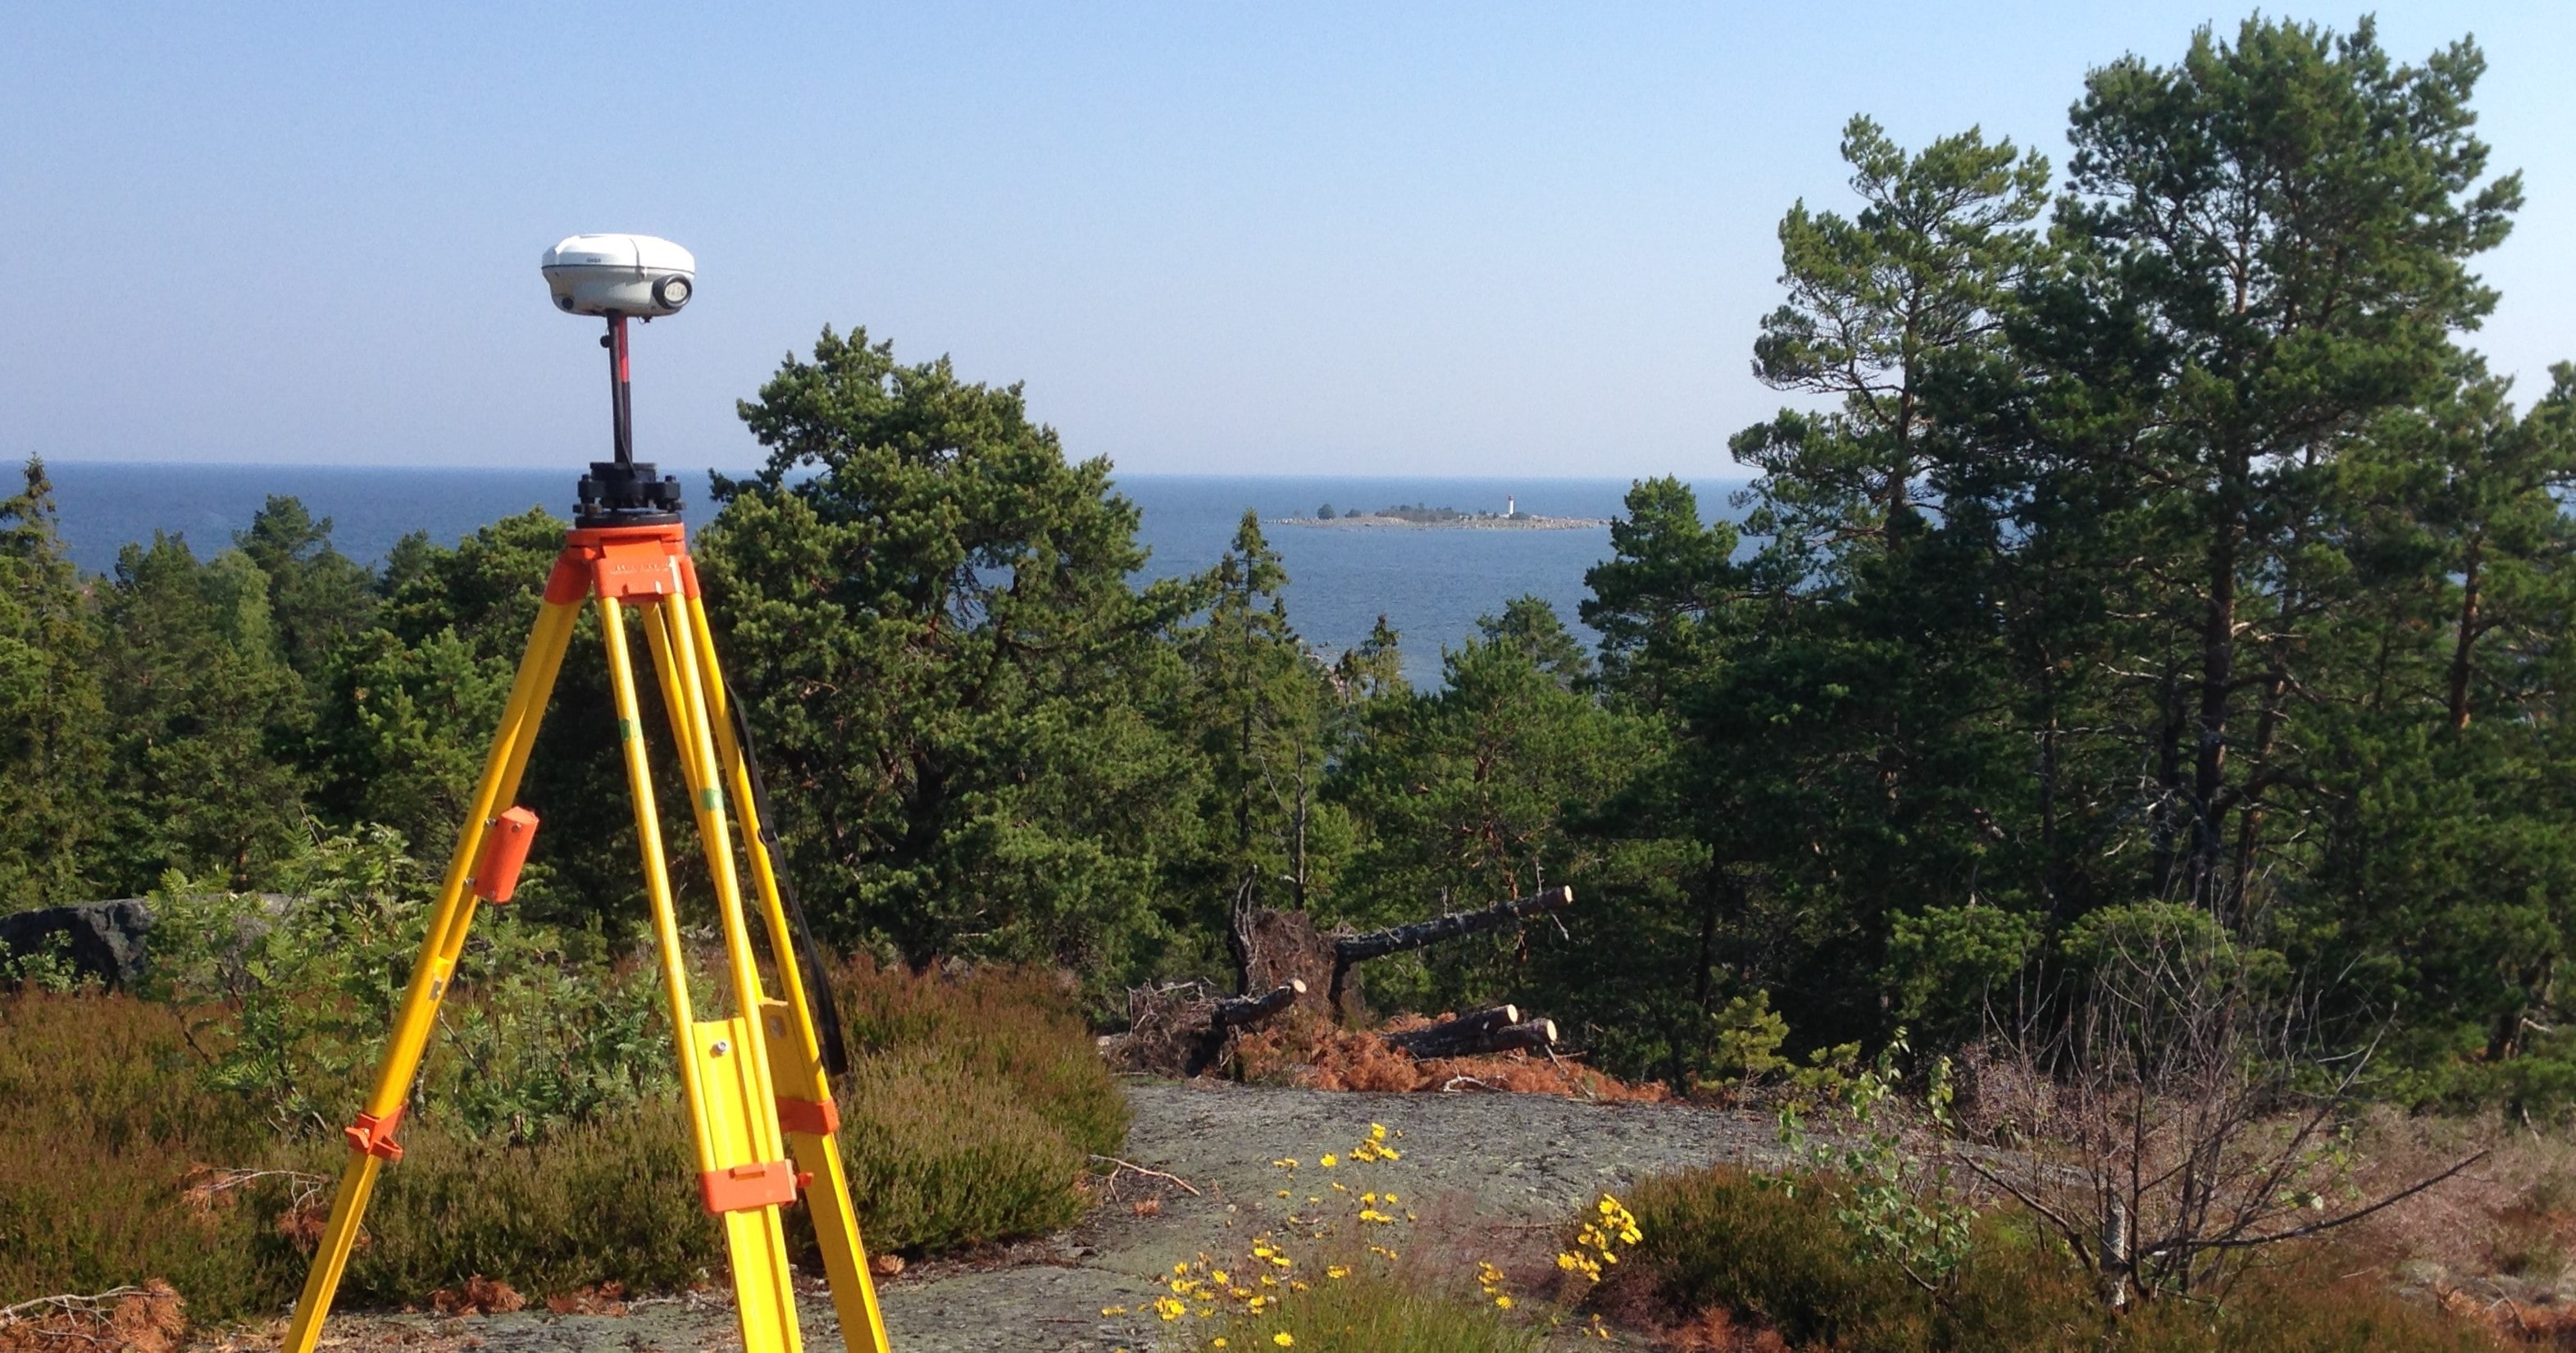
[1420,239]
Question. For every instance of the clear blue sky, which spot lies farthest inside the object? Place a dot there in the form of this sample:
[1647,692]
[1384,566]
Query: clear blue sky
[1419,239]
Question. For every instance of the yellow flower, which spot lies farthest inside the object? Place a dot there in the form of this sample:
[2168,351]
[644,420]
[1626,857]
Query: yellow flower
[1336,1271]
[1113,1310]
[1329,1161]
[1377,1132]
[1284,1339]
[1503,1299]
[1217,1342]
[1168,1307]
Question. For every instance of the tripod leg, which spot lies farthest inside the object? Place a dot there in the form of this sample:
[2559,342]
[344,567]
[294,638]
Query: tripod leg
[805,1101]
[371,1143]
[743,1170]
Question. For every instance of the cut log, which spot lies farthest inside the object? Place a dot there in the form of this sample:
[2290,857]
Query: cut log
[1351,949]
[1476,1035]
[1238,1011]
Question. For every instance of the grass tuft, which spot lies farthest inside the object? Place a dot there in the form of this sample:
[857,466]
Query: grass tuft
[1378,1313]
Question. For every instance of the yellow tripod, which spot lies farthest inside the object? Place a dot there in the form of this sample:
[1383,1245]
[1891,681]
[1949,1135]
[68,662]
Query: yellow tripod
[758,1097]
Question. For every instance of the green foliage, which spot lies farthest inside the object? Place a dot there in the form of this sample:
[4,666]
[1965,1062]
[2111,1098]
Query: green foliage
[295,994]
[53,745]
[927,609]
[48,968]
[1504,781]
[1901,1206]
[1016,1026]
[2118,562]
[942,1156]
[319,599]
[1950,967]
[1268,720]
[1749,1035]
[197,696]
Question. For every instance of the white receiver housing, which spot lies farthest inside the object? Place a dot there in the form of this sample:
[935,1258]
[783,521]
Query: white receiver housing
[637,275]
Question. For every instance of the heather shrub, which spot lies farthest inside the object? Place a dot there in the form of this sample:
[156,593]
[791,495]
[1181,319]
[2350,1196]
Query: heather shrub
[140,1139]
[1017,1026]
[1734,1257]
[105,1139]
[940,1155]
[615,1199]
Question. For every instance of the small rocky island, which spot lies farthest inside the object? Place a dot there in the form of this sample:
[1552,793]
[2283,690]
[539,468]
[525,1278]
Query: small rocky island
[1419,517]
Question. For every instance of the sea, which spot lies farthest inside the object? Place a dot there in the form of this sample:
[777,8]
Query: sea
[1432,585]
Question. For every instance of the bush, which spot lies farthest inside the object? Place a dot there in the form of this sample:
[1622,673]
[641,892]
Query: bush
[615,1200]
[1018,1026]
[298,1000]
[137,1141]
[103,1130]
[972,1107]
[1725,1250]
[940,1156]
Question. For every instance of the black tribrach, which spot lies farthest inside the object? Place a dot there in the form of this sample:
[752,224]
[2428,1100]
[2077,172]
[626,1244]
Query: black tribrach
[626,493]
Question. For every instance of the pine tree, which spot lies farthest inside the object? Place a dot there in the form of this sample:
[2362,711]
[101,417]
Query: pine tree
[53,750]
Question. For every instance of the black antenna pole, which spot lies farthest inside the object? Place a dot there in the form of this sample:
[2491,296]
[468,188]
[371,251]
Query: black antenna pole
[617,491]
[621,391]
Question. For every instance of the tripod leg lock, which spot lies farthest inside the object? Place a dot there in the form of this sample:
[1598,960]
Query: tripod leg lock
[770,1183]
[375,1136]
[814,1118]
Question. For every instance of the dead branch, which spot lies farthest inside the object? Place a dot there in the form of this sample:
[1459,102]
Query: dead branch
[1133,1167]
[70,1303]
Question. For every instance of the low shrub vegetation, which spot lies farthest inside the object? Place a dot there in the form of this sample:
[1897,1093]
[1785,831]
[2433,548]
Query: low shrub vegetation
[105,1124]
[974,1105]
[142,1138]
[1732,1261]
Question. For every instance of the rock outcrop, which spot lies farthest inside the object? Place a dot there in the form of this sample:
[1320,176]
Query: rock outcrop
[98,939]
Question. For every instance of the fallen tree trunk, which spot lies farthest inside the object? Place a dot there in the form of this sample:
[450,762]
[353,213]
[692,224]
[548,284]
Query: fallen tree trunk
[1487,1031]
[1238,1011]
[1350,949]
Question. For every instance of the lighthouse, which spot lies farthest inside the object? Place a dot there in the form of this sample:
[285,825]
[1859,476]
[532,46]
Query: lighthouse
[1511,506]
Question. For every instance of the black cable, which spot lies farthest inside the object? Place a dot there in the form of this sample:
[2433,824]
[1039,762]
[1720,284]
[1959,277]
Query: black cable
[809,955]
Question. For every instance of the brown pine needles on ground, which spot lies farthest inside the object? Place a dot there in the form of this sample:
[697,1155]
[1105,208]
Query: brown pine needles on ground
[1306,1051]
